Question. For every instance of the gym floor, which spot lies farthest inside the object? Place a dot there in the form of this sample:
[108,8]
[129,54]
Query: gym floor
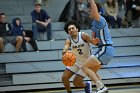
[112,89]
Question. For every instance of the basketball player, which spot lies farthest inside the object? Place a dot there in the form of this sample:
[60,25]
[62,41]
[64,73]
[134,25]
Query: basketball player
[79,43]
[105,50]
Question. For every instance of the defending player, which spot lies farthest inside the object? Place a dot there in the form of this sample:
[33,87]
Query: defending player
[105,52]
[79,43]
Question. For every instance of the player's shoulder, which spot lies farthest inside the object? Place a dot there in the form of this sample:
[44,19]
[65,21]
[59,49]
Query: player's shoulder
[68,41]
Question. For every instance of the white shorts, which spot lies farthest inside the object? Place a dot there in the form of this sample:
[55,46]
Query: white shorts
[76,69]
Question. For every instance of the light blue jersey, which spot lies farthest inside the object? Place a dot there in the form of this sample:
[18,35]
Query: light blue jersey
[105,51]
[101,31]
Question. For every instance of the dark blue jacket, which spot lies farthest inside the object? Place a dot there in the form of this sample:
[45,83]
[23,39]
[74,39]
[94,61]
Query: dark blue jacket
[17,30]
[39,16]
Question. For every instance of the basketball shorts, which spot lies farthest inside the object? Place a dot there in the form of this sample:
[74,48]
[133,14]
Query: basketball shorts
[10,39]
[104,54]
[76,69]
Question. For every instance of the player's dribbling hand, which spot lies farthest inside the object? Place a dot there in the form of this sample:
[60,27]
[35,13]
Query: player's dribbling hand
[96,41]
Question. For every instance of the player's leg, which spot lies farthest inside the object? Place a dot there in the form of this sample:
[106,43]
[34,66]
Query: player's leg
[95,69]
[65,79]
[104,58]
[78,81]
[91,63]
[68,73]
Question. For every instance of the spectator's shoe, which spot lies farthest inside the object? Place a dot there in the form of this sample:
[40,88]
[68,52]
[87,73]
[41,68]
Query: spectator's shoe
[102,89]
[88,88]
[52,40]
[37,51]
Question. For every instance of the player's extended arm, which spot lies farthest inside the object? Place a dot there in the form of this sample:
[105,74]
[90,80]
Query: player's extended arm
[88,39]
[66,47]
[94,10]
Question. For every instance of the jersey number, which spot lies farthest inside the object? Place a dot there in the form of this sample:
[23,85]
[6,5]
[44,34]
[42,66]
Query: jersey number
[80,51]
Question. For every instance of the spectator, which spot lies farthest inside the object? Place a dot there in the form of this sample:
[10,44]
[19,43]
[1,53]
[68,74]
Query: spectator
[132,11]
[111,7]
[121,4]
[38,1]
[85,20]
[70,12]
[41,24]
[5,35]
[17,30]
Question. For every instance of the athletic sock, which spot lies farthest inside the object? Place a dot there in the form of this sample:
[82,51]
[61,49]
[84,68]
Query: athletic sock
[99,84]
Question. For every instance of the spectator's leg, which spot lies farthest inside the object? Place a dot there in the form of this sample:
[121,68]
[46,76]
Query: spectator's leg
[45,35]
[35,31]
[33,43]
[19,40]
[136,23]
[111,21]
[40,35]
[119,22]
[49,32]
[129,18]
[24,45]
[1,45]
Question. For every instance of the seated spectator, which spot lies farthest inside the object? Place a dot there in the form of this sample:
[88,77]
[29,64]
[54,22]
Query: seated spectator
[5,35]
[17,30]
[85,20]
[132,11]
[111,7]
[41,24]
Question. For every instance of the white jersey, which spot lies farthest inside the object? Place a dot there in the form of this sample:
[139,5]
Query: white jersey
[80,48]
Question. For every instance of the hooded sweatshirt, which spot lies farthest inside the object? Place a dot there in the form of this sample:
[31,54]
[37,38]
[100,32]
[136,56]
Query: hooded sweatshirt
[17,30]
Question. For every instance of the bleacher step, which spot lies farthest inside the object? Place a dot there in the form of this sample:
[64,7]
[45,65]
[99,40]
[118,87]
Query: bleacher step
[46,66]
[55,77]
[2,70]
[5,80]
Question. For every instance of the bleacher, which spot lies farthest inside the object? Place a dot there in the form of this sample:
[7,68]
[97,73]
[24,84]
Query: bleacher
[43,70]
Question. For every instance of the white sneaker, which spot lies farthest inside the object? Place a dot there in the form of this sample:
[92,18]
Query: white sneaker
[37,51]
[102,89]
[88,88]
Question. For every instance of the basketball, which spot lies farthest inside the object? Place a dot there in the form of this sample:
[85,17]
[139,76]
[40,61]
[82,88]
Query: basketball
[69,58]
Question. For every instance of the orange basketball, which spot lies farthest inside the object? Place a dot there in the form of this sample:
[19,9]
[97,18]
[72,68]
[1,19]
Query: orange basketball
[69,58]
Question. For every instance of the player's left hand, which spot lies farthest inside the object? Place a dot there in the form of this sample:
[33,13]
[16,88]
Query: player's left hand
[96,41]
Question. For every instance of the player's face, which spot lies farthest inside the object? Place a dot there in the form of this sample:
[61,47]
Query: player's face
[37,8]
[72,31]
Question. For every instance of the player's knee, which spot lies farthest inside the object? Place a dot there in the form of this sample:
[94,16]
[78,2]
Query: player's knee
[84,68]
[65,78]
[19,38]
[76,83]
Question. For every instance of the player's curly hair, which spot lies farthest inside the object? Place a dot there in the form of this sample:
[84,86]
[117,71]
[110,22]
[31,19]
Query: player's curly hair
[71,22]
